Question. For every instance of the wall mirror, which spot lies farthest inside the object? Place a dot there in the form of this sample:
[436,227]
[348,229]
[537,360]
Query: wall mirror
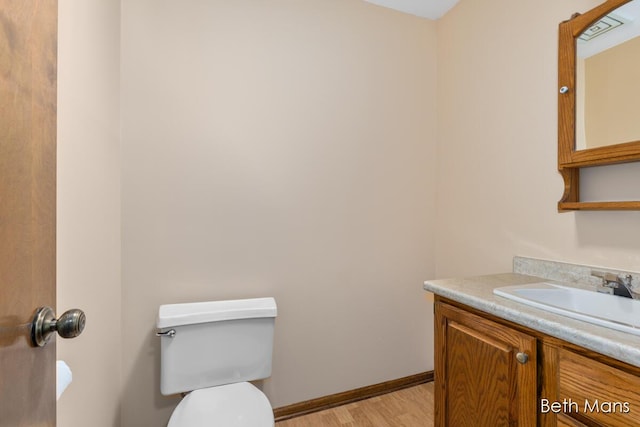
[598,108]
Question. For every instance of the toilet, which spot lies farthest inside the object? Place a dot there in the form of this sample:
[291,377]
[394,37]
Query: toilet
[211,350]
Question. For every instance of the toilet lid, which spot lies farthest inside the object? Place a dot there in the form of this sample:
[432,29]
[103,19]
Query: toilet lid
[232,405]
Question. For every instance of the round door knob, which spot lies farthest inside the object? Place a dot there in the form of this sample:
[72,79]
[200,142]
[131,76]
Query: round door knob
[522,357]
[69,325]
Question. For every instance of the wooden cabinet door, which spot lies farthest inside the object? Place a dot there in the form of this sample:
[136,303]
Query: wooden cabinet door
[479,379]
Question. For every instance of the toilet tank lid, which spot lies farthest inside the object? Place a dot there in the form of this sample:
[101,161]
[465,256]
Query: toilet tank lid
[170,315]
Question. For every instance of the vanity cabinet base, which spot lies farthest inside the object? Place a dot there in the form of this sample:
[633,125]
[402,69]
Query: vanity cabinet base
[492,372]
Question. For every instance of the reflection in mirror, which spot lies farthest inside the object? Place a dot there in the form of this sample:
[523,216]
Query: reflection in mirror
[608,90]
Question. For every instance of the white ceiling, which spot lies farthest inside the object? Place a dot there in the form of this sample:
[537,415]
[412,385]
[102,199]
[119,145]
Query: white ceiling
[432,9]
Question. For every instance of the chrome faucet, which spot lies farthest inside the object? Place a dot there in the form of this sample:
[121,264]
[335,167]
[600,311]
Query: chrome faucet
[620,284]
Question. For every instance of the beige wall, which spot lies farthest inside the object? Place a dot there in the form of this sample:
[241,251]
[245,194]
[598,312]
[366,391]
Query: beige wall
[89,208]
[290,150]
[279,148]
[498,186]
[581,138]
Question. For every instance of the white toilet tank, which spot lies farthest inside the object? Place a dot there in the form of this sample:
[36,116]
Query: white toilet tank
[215,343]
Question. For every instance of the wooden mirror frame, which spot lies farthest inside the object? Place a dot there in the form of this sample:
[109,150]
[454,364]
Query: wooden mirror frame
[571,160]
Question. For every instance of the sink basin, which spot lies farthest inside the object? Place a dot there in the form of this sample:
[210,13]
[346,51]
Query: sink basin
[622,314]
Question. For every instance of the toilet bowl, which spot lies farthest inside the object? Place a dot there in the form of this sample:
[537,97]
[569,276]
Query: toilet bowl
[232,405]
[211,350]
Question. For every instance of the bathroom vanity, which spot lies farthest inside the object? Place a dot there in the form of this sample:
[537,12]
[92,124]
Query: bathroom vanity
[500,362]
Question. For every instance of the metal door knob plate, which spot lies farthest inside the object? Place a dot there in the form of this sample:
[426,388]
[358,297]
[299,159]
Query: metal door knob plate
[69,325]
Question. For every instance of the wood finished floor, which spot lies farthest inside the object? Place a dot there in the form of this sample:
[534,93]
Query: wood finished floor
[411,407]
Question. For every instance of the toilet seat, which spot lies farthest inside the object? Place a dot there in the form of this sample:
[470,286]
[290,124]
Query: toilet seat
[231,405]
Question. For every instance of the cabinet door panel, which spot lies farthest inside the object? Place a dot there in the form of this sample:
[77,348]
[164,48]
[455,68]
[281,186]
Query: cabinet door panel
[482,367]
[478,379]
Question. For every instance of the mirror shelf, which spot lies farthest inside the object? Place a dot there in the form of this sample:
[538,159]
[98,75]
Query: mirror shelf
[600,206]
[571,159]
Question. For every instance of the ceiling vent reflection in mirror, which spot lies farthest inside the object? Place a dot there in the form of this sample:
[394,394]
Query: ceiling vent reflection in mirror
[607,23]
[610,30]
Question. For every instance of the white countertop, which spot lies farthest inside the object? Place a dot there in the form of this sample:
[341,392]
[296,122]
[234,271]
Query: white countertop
[477,292]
